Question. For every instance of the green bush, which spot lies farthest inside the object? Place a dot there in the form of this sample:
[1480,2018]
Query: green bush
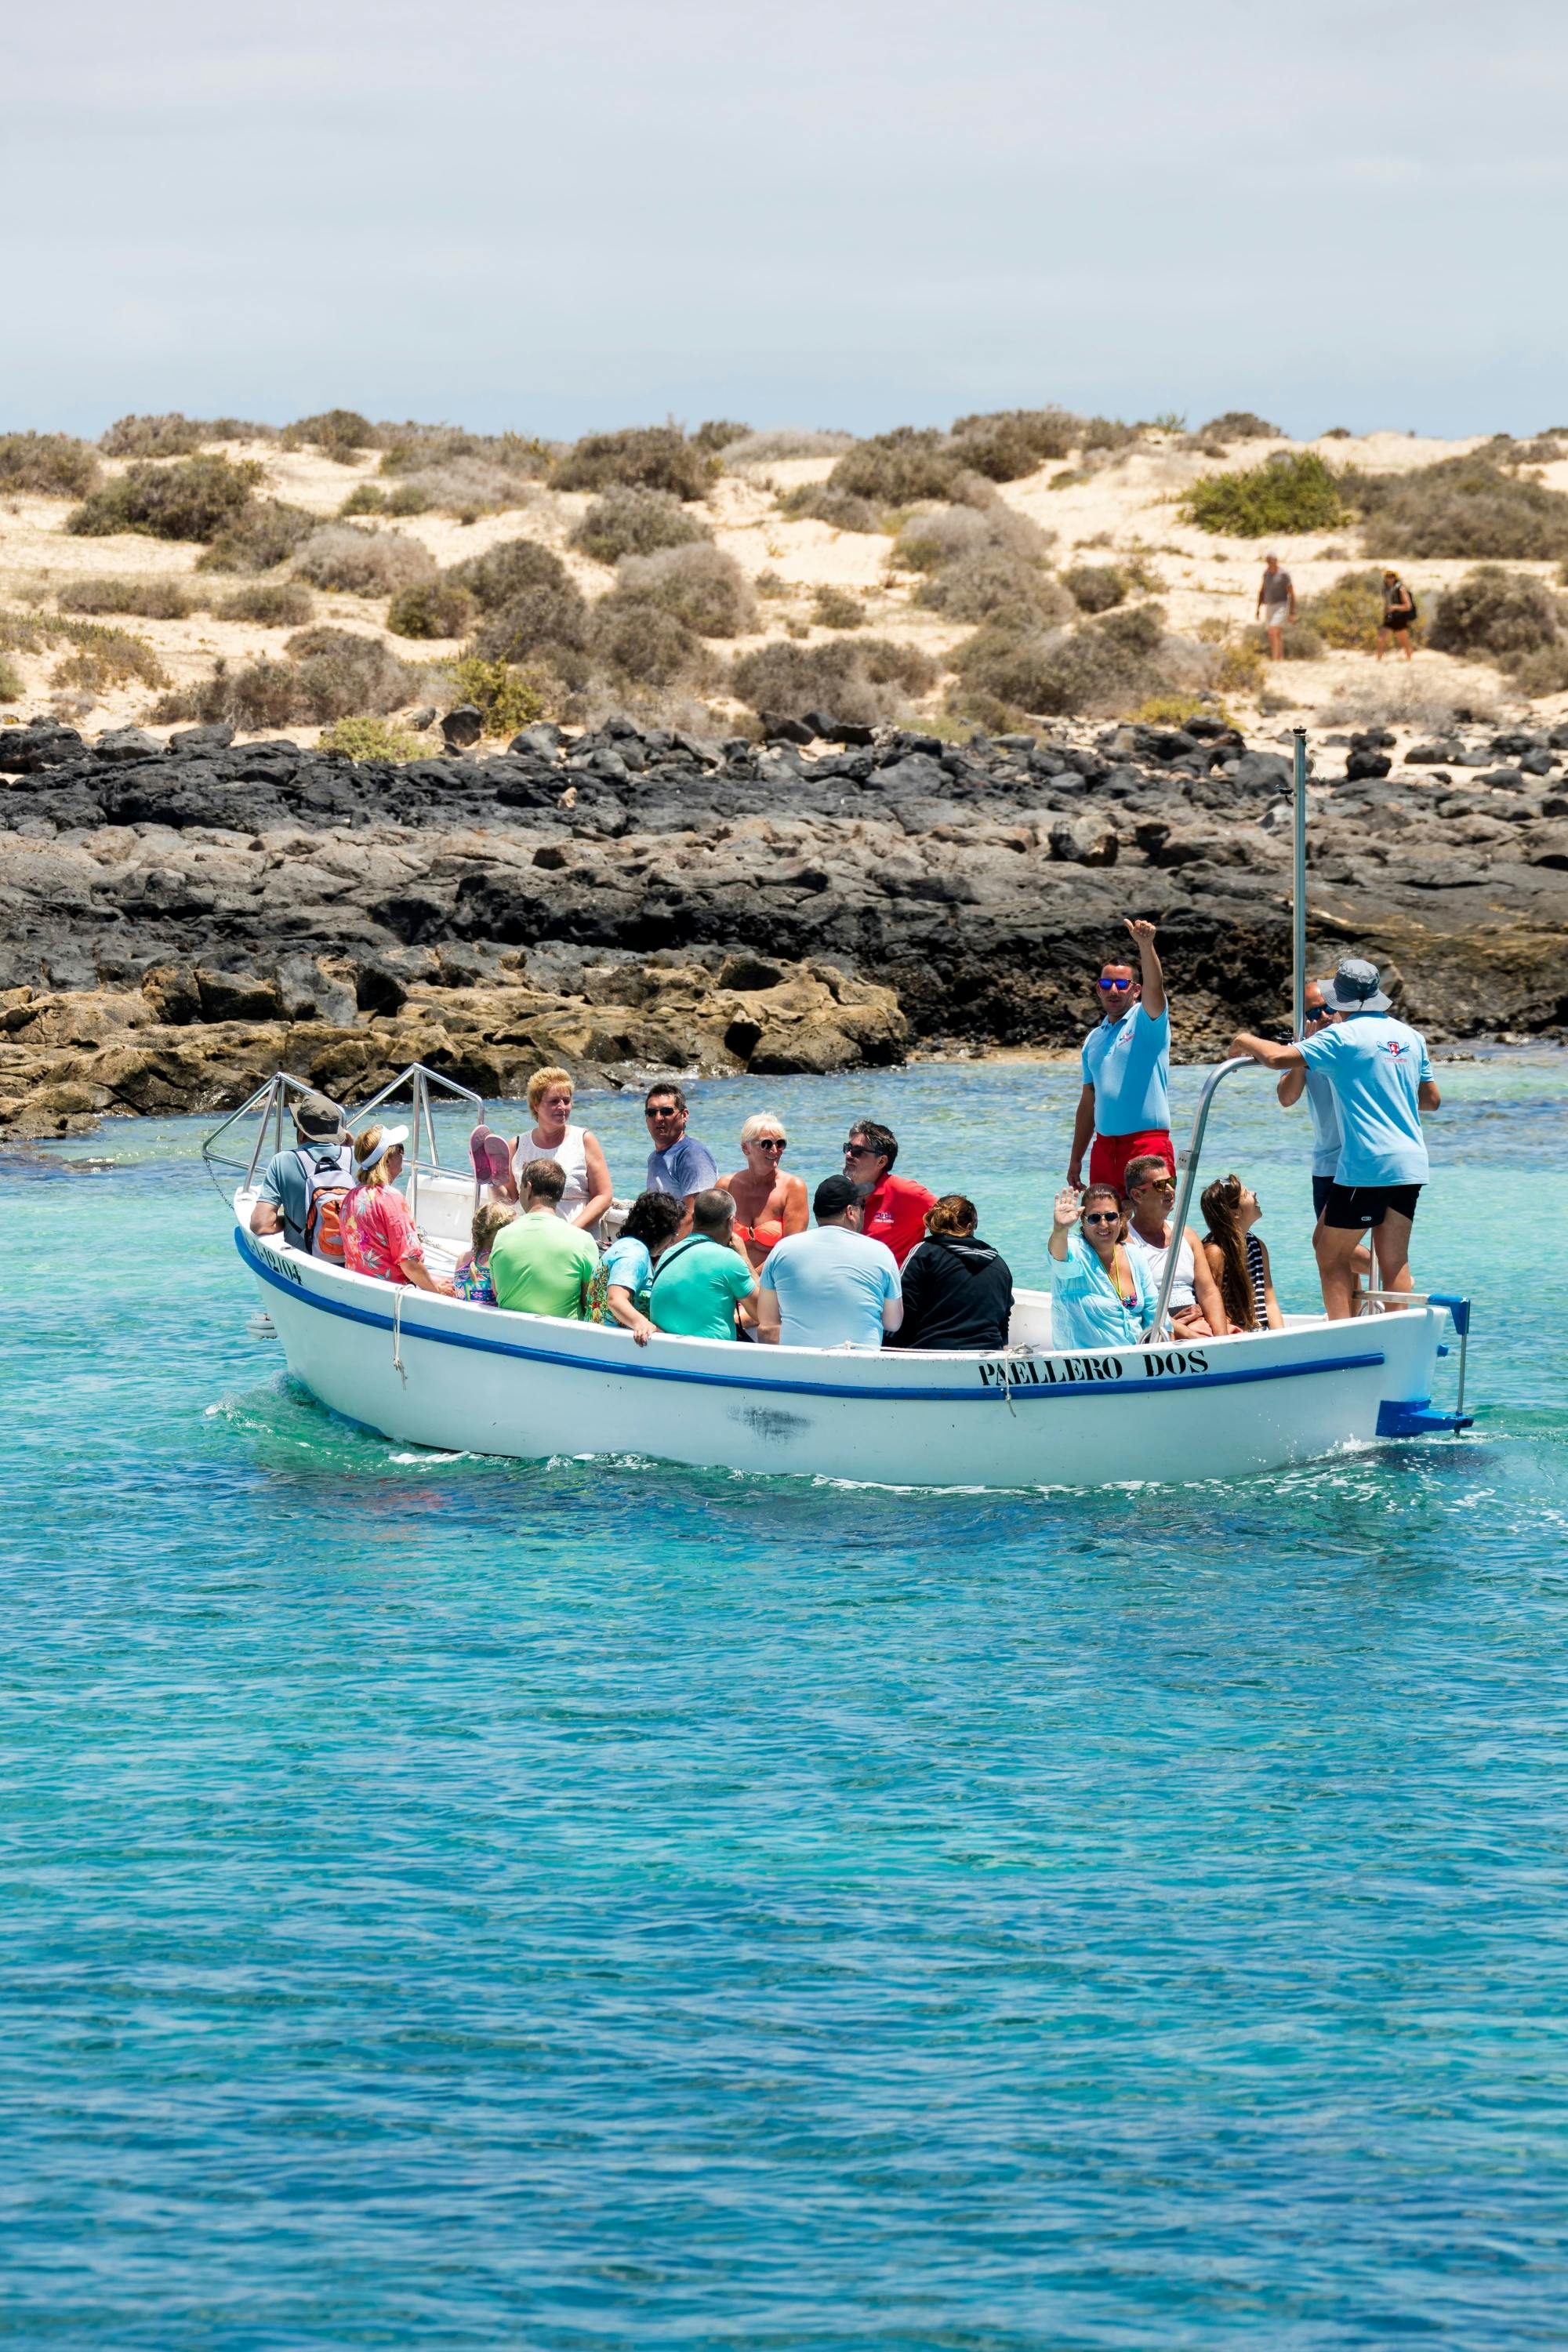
[262,536]
[506,698]
[836,608]
[1103,667]
[196,498]
[47,465]
[271,603]
[819,502]
[651,457]
[897,469]
[153,599]
[630,521]
[441,607]
[372,738]
[702,588]
[1460,506]
[363,562]
[1349,614]
[1497,615]
[1238,425]
[1096,587]
[504,570]
[11,688]
[1286,493]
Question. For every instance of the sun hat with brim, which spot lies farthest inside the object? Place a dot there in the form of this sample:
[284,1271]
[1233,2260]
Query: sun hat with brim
[391,1137]
[1355,988]
[318,1116]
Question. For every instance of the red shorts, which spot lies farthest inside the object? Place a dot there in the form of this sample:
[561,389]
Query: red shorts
[1109,1158]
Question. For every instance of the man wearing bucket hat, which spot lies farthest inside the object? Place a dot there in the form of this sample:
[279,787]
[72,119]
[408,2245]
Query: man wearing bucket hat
[297,1184]
[1382,1079]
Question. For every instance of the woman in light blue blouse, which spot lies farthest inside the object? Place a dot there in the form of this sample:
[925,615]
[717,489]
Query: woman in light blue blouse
[1100,1293]
[652,1221]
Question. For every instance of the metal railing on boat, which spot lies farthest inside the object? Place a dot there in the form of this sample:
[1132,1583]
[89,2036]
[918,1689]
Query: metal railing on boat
[273,1100]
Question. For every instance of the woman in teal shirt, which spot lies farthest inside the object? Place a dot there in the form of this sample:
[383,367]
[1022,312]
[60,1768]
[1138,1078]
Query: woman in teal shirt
[1100,1292]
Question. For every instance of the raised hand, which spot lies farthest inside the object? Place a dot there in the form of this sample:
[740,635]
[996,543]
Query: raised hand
[1068,1204]
[1142,931]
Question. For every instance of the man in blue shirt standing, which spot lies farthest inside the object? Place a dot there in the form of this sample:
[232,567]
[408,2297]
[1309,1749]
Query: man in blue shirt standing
[1319,1093]
[1126,1063]
[677,1162]
[1380,1077]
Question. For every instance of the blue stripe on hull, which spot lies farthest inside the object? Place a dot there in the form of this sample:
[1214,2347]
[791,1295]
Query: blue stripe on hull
[1020,1391]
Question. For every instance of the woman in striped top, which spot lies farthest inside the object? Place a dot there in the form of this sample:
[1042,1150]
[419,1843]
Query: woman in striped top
[1237,1258]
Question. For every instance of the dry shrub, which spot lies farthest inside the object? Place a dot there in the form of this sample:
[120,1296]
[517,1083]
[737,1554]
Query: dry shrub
[196,498]
[1395,696]
[547,624]
[1013,442]
[1460,506]
[150,600]
[422,448]
[981,560]
[1288,492]
[628,521]
[272,604]
[787,442]
[108,657]
[1096,587]
[504,570]
[719,433]
[652,458]
[820,502]
[899,468]
[328,674]
[861,679]
[362,562]
[47,465]
[1543,673]
[441,607]
[836,608]
[643,642]
[940,535]
[701,587]
[1497,615]
[11,688]
[992,583]
[467,486]
[172,436]
[1299,641]
[262,535]
[340,433]
[1103,667]
[1238,425]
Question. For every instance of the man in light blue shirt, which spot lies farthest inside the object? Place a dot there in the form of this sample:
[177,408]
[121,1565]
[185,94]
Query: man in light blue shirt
[832,1287]
[1380,1077]
[1126,1064]
[1319,1093]
[677,1162]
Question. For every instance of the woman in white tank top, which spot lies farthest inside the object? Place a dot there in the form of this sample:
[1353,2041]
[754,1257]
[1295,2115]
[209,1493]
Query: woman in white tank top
[576,1152]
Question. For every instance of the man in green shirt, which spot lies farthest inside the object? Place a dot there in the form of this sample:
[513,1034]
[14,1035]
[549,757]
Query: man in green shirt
[699,1282]
[540,1265]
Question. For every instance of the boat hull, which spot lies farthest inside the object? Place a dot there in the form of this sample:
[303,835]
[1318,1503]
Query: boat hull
[441,1372]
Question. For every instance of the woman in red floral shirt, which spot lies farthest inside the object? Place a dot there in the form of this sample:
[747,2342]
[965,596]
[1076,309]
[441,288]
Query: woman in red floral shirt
[380,1236]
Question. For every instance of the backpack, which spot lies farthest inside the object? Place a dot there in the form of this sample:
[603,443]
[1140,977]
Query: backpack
[328,1183]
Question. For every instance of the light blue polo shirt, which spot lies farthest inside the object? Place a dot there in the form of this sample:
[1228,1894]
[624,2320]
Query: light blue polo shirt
[1127,1061]
[1325,1124]
[832,1286]
[1374,1067]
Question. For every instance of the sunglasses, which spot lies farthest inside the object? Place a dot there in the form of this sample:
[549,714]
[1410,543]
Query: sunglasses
[858,1151]
[672,1111]
[773,1143]
[1101,1217]
[1157,1184]
[1114,987]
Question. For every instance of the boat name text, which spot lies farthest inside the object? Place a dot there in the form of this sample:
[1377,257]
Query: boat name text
[1069,1372]
[278,1265]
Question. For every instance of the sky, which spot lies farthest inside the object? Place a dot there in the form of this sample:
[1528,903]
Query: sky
[833,213]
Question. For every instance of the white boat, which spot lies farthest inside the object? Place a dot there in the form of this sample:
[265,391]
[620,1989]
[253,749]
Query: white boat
[428,1371]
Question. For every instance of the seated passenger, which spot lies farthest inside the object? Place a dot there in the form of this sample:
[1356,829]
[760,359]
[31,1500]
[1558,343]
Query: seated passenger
[700,1282]
[575,1150]
[540,1265]
[1194,1308]
[958,1290]
[833,1287]
[380,1236]
[1102,1296]
[652,1223]
[471,1274]
[768,1203]
[1237,1258]
[301,1192]
[895,1205]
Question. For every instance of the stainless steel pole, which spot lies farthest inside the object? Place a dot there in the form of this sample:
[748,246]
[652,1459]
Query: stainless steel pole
[1298,892]
[1189,1185]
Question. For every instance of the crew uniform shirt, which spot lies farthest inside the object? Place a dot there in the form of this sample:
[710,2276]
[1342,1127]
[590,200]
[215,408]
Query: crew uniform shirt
[1374,1067]
[1325,1120]
[895,1214]
[541,1265]
[1127,1061]
[285,1184]
[686,1168]
[696,1289]
[832,1285]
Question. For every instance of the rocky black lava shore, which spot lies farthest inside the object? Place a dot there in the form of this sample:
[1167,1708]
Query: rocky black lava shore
[180,920]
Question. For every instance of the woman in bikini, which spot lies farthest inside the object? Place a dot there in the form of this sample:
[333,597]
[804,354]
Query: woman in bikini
[1237,1258]
[768,1203]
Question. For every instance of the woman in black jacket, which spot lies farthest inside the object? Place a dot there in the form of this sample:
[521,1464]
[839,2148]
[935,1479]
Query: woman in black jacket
[958,1290]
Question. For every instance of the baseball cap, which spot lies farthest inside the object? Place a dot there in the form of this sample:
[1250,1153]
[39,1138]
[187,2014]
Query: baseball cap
[833,1195]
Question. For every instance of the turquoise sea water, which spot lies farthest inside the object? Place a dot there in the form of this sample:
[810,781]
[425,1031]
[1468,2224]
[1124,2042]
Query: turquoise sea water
[474,1903]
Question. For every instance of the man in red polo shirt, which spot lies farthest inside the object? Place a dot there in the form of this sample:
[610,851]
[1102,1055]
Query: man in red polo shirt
[895,1206]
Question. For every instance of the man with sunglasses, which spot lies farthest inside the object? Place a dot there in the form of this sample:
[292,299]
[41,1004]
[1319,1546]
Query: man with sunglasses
[895,1206]
[677,1162]
[1318,1016]
[1125,1102]
[1195,1308]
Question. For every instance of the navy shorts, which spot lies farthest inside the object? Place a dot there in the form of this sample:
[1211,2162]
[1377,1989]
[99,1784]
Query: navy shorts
[1322,1187]
[1353,1208]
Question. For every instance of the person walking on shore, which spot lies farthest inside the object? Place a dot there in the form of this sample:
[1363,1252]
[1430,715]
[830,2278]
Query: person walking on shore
[1381,1075]
[1275,604]
[1398,616]
[1126,1062]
